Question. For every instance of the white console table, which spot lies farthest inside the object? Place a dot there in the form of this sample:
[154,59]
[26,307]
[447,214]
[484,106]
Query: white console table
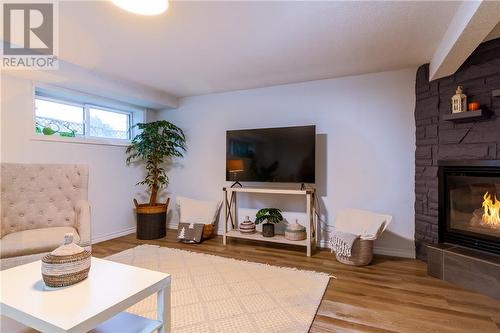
[231,216]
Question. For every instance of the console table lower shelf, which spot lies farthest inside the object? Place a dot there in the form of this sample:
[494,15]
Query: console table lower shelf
[278,238]
[231,219]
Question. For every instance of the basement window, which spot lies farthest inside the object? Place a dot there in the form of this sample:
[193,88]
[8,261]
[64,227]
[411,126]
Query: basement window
[107,123]
[83,118]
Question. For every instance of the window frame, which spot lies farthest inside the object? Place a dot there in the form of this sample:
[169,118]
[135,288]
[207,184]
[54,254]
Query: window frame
[60,101]
[58,95]
[88,106]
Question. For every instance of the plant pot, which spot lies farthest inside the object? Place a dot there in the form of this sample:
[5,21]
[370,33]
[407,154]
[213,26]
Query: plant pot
[151,220]
[268,230]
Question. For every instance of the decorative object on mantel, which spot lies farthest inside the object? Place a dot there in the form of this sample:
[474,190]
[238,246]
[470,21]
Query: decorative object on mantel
[247,226]
[157,142]
[459,101]
[66,265]
[295,231]
[474,106]
[269,216]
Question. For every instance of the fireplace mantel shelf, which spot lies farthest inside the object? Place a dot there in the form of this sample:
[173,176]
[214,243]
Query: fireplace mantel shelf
[465,116]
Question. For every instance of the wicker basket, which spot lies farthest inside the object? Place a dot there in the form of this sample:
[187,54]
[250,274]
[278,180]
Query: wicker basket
[67,269]
[208,231]
[361,253]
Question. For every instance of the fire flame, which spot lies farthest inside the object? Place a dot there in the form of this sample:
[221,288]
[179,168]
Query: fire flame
[491,215]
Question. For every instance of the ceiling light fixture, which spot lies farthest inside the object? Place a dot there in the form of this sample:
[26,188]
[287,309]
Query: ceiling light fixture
[143,7]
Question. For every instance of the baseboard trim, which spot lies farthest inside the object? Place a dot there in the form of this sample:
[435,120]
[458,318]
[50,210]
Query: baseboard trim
[112,235]
[385,251]
[393,252]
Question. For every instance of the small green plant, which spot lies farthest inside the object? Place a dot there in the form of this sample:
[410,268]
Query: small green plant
[157,142]
[69,134]
[268,215]
[48,131]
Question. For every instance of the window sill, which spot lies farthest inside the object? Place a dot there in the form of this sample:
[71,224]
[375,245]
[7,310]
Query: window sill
[80,140]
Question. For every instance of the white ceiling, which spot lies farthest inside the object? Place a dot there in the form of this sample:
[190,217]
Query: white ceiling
[204,47]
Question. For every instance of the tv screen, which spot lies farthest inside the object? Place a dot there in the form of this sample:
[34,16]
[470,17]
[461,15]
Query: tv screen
[284,155]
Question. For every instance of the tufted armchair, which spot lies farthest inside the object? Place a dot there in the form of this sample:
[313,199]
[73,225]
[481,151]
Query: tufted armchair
[40,203]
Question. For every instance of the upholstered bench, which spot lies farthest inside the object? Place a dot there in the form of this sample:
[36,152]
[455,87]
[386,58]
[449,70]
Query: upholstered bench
[40,204]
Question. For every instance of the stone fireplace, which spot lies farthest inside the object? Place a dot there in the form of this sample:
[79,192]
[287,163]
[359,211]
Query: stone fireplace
[457,174]
[469,210]
[442,144]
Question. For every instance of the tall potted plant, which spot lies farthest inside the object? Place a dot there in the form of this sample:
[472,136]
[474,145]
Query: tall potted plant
[269,216]
[156,143]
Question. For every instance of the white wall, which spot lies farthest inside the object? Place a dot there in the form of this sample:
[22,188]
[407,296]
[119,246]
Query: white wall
[111,182]
[365,148]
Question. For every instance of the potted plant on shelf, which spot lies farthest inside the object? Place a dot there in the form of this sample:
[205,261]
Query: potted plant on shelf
[156,143]
[270,217]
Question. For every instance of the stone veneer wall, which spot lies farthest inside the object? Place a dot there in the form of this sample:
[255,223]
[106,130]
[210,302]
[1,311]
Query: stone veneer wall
[442,140]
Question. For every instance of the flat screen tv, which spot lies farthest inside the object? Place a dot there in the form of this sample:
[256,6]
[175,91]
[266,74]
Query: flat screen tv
[283,155]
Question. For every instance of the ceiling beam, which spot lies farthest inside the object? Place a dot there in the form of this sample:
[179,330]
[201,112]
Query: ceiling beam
[470,25]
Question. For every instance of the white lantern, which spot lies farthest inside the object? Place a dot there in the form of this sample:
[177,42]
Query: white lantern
[459,101]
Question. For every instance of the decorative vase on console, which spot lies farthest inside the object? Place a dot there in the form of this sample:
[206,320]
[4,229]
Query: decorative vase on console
[247,226]
[295,231]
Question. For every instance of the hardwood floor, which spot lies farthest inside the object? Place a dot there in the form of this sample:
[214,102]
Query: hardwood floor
[391,295]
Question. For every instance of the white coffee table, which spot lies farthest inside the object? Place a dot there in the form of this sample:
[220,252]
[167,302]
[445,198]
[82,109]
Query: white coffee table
[95,304]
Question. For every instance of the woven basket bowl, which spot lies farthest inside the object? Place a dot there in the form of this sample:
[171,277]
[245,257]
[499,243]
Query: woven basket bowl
[361,253]
[295,236]
[62,271]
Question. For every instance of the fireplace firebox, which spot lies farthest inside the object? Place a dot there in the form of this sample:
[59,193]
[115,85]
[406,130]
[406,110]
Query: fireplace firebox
[469,205]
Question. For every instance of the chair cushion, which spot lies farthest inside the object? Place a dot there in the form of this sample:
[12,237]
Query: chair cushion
[34,241]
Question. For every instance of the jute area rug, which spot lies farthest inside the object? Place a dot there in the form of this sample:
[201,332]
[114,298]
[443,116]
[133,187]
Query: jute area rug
[216,294]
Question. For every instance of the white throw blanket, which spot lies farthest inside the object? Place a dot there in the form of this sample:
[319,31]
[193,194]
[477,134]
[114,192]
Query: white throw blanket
[366,225]
[341,243]
[352,224]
